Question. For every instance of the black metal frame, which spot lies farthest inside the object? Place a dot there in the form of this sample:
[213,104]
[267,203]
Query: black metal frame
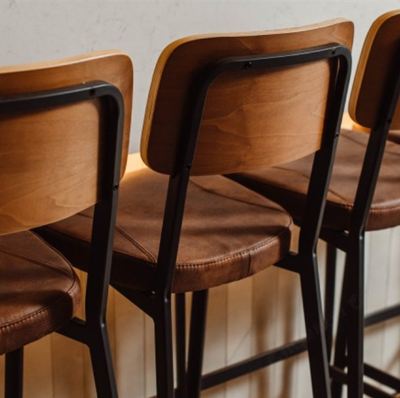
[351,241]
[157,303]
[351,314]
[92,331]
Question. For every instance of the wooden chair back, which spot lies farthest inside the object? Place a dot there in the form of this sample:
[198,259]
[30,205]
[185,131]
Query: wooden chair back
[254,120]
[381,49]
[49,158]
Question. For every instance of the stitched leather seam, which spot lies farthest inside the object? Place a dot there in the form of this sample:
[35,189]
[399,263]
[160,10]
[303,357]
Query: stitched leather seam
[307,177]
[387,210]
[387,148]
[352,139]
[248,255]
[350,205]
[36,314]
[239,200]
[48,266]
[371,211]
[135,243]
[128,237]
[54,250]
[346,204]
[264,244]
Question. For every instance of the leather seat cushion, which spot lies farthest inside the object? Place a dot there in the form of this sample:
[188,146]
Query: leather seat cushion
[287,184]
[394,136]
[228,233]
[39,291]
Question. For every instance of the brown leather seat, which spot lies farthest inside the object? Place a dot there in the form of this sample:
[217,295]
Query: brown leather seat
[62,126]
[221,116]
[394,136]
[228,232]
[39,291]
[288,184]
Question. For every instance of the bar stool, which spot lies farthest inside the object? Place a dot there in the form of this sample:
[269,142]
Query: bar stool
[219,104]
[61,126]
[352,207]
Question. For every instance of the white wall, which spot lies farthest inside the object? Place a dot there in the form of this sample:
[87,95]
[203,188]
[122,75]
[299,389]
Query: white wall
[248,316]
[33,30]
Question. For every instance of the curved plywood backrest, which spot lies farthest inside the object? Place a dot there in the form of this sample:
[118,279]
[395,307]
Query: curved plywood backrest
[381,46]
[258,120]
[49,158]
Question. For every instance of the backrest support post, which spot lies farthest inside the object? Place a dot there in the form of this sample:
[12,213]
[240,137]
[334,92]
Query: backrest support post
[105,211]
[108,180]
[174,208]
[376,148]
[324,158]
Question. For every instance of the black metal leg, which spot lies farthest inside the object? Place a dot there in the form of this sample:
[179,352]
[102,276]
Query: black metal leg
[180,341]
[341,338]
[315,329]
[14,374]
[355,307]
[351,322]
[196,342]
[330,284]
[103,370]
[164,357]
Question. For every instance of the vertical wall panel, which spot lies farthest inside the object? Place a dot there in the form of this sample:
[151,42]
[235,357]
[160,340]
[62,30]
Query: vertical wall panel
[215,354]
[391,333]
[129,358]
[377,260]
[264,333]
[39,365]
[67,361]
[149,357]
[239,327]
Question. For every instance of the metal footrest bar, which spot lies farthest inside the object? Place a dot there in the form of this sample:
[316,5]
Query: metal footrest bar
[382,315]
[382,377]
[338,374]
[252,364]
[270,357]
[369,389]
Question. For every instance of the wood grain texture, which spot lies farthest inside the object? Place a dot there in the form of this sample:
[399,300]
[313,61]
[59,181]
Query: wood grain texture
[50,158]
[380,49]
[252,121]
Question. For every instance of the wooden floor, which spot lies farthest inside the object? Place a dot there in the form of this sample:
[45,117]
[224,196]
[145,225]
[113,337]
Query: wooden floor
[244,318]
